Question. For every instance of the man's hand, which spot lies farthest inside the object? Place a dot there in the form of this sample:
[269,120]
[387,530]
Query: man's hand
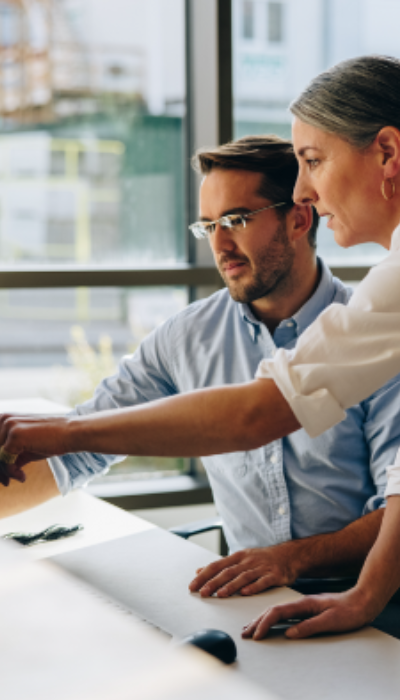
[250,571]
[254,570]
[326,613]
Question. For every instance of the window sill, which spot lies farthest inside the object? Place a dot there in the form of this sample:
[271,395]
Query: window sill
[154,493]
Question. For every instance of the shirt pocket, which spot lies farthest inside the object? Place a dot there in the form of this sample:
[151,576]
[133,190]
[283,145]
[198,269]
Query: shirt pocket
[231,464]
[235,463]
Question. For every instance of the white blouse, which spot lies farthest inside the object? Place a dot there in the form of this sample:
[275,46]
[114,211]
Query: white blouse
[345,355]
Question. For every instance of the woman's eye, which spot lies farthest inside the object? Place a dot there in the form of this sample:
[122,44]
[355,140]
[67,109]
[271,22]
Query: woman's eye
[312,163]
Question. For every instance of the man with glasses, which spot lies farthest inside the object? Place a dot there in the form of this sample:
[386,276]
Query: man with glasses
[298,507]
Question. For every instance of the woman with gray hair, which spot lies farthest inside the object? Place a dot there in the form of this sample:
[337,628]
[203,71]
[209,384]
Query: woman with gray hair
[346,136]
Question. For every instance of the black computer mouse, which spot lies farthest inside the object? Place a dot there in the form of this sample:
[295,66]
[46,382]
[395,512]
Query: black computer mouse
[214,642]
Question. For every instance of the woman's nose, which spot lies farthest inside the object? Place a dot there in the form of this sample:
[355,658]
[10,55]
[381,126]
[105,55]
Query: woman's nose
[303,193]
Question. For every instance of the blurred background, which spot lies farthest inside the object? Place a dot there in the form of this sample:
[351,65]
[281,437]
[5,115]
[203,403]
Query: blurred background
[101,105]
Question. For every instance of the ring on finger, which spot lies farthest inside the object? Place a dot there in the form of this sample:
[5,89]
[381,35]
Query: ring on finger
[7,457]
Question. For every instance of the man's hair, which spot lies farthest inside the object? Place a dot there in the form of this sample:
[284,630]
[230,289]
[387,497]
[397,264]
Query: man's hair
[271,156]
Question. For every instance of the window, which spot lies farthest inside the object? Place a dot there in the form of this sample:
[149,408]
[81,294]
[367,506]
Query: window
[92,104]
[248,19]
[305,37]
[92,181]
[275,22]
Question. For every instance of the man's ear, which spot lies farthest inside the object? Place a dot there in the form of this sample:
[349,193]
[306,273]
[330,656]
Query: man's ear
[299,221]
[387,143]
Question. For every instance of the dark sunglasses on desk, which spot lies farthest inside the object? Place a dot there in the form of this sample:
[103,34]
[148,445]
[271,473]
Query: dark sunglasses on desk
[50,534]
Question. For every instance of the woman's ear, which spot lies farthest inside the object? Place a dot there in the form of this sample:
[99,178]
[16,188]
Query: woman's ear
[388,143]
[299,221]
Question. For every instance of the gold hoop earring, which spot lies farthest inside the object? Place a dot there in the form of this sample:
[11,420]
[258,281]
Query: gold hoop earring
[383,189]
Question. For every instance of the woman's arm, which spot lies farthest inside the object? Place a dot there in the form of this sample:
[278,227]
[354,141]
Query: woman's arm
[379,580]
[203,422]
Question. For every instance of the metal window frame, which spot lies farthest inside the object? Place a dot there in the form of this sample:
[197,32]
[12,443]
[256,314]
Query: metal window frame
[184,274]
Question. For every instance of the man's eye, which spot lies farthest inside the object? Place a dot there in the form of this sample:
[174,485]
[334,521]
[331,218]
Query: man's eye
[312,163]
[232,221]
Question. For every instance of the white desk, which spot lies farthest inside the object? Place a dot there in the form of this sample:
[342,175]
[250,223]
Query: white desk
[101,522]
[60,642]
[148,571]
[32,406]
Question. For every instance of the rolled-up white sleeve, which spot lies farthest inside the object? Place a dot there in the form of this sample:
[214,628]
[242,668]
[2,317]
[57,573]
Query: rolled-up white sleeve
[345,355]
[393,478]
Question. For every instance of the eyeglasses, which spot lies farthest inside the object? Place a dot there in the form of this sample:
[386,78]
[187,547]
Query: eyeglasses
[204,229]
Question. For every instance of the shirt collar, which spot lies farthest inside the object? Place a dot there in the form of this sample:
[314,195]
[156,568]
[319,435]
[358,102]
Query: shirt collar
[253,324]
[322,297]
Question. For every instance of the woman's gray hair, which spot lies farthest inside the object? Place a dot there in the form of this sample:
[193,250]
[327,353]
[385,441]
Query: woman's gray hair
[355,99]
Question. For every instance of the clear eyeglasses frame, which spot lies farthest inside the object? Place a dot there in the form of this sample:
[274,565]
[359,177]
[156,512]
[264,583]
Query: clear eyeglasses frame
[204,229]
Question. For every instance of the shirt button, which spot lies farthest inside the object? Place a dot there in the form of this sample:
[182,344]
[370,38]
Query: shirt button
[273,459]
[290,324]
[281,510]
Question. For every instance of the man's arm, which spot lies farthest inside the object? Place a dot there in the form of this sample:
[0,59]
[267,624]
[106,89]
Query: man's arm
[39,487]
[254,570]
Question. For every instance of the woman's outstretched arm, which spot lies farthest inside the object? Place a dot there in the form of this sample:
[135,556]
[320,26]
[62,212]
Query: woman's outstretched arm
[204,422]
[342,612]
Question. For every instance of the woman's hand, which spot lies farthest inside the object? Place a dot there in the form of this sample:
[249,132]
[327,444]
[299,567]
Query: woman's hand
[326,613]
[9,470]
[26,439]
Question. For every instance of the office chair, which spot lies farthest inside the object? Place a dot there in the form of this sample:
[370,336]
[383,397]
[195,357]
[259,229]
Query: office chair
[197,527]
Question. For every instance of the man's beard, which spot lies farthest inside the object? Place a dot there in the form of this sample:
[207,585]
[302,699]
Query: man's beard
[271,268]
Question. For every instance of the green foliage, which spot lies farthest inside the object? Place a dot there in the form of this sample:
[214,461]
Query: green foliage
[92,365]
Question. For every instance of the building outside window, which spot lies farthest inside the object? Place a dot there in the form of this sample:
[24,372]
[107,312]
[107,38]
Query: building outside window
[275,27]
[92,175]
[248,19]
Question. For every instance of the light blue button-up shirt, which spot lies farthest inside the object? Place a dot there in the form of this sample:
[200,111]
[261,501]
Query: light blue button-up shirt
[294,487]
